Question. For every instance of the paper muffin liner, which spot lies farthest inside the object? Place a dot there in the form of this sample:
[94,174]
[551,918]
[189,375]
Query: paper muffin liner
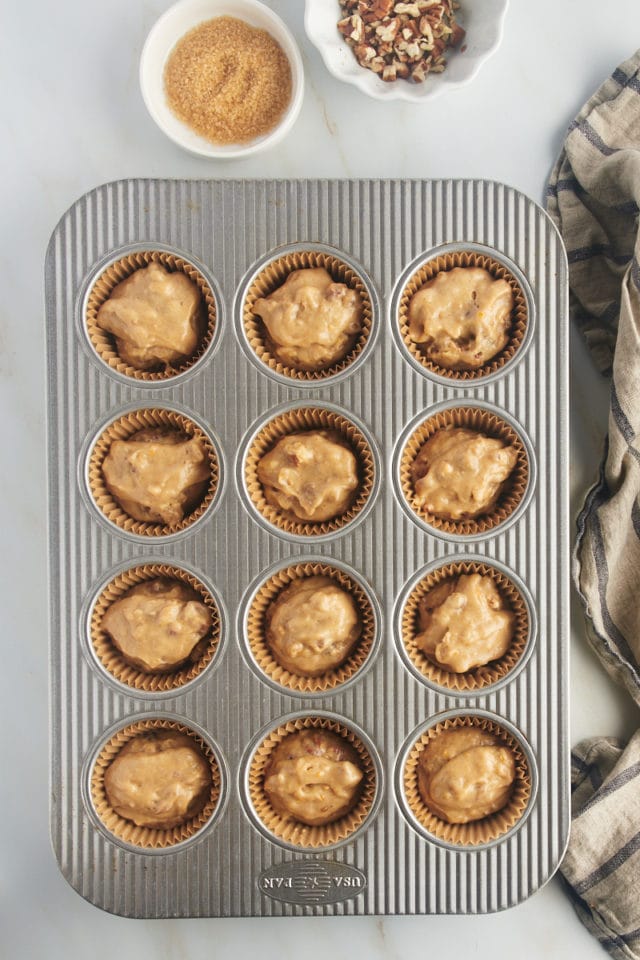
[479,677]
[465,258]
[286,828]
[272,276]
[476,832]
[123,429]
[296,421]
[104,343]
[483,421]
[113,660]
[256,625]
[150,838]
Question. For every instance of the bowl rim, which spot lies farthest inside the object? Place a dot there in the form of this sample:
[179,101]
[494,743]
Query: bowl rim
[371,85]
[150,78]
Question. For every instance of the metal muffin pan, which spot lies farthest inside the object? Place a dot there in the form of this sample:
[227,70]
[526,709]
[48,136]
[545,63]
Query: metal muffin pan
[382,229]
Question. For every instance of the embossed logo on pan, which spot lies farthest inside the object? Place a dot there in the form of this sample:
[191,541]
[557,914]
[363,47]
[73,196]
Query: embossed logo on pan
[312,882]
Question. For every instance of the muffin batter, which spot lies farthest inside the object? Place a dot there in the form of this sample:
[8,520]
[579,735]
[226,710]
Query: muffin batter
[461,319]
[157,624]
[465,774]
[460,473]
[312,321]
[312,626]
[310,476]
[313,776]
[155,316]
[159,780]
[158,475]
[464,623]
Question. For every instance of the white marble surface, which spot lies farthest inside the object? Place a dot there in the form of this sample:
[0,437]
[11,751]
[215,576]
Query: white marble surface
[72,117]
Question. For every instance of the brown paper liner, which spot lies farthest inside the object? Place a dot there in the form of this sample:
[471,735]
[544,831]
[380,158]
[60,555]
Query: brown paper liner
[465,258]
[256,629]
[479,677]
[122,429]
[477,831]
[104,343]
[297,421]
[272,276]
[285,827]
[149,837]
[112,659]
[488,423]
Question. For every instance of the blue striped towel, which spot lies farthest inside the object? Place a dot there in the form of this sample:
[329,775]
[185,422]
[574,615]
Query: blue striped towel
[594,197]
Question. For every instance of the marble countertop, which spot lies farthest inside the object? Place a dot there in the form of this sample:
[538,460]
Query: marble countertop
[73,118]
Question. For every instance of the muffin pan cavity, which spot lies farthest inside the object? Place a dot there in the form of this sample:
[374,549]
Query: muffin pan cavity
[194,500]
[510,597]
[118,269]
[294,522]
[519,332]
[474,833]
[304,421]
[140,837]
[269,276]
[256,610]
[283,827]
[133,678]
[453,520]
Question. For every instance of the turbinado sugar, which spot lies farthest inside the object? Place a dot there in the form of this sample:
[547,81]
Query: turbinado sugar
[230,82]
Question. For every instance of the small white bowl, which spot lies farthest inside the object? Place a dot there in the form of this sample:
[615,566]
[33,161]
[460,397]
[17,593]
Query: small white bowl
[482,19]
[164,35]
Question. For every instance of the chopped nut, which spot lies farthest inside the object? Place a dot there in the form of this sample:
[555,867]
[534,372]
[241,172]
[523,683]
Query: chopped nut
[364,53]
[400,40]
[371,10]
[457,34]
[411,30]
[425,28]
[387,31]
[352,28]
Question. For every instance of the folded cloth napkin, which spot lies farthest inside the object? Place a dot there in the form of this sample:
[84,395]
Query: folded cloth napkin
[594,197]
[602,864]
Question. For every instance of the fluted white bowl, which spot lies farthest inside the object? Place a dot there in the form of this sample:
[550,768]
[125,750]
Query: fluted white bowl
[483,21]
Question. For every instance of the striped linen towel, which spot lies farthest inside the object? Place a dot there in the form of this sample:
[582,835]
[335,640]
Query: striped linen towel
[594,197]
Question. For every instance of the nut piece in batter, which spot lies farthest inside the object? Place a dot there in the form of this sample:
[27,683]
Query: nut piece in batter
[310,476]
[461,319]
[155,316]
[312,626]
[159,780]
[464,623]
[157,475]
[460,473]
[311,320]
[465,774]
[313,776]
[157,624]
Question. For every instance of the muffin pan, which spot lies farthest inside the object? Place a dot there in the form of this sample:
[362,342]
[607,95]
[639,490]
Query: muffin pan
[387,857]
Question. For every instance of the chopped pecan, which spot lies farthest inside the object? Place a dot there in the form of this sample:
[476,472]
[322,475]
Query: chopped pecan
[371,10]
[412,9]
[352,28]
[457,34]
[400,39]
[388,29]
[364,53]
